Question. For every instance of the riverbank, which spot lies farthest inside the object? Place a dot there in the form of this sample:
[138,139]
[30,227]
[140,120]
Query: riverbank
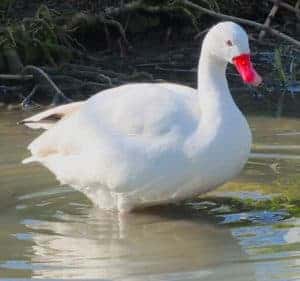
[177,63]
[53,53]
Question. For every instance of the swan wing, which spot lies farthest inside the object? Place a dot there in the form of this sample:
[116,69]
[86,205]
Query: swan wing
[119,137]
[46,119]
[145,109]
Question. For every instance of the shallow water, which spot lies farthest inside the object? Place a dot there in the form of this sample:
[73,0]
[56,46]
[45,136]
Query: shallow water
[53,232]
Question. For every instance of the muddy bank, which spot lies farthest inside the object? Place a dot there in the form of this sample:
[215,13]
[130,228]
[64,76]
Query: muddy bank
[53,52]
[81,78]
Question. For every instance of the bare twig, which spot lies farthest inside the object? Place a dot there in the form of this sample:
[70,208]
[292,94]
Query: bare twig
[120,28]
[269,18]
[37,70]
[201,33]
[28,100]
[297,5]
[243,21]
[15,77]
[288,6]
[175,69]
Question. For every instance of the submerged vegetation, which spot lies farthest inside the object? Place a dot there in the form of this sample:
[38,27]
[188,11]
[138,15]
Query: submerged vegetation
[281,194]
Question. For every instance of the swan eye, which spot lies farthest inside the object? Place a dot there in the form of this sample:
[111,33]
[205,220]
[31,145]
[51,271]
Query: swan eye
[229,43]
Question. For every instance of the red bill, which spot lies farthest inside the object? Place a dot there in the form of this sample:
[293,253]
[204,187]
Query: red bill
[245,68]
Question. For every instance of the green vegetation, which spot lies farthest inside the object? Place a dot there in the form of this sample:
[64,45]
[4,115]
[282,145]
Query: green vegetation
[72,41]
[284,195]
[278,248]
[36,40]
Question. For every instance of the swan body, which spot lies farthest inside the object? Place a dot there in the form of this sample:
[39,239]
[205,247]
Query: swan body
[151,143]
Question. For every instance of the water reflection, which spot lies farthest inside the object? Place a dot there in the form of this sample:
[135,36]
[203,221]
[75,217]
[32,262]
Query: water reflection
[17,179]
[166,244]
[49,231]
[273,249]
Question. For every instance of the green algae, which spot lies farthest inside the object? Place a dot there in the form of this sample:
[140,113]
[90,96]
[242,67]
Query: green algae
[284,195]
[285,225]
[244,205]
[290,247]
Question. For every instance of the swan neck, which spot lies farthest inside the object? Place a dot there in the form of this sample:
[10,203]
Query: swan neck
[217,107]
[210,69]
[213,87]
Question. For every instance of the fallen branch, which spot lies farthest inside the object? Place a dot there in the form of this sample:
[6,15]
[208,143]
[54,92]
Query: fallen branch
[27,102]
[133,6]
[269,18]
[287,6]
[88,76]
[175,69]
[15,77]
[66,79]
[119,27]
[297,6]
[94,87]
[79,67]
[9,93]
[240,20]
[139,76]
[200,34]
[39,71]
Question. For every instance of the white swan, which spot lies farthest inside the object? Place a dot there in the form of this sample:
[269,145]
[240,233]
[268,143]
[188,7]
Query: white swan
[145,144]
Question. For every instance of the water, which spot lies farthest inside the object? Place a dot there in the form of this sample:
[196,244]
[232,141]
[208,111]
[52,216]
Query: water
[53,232]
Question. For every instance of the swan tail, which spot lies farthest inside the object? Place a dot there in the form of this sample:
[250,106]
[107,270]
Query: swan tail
[46,119]
[29,160]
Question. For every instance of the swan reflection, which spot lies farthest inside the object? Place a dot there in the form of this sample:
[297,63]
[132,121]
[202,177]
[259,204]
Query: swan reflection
[166,244]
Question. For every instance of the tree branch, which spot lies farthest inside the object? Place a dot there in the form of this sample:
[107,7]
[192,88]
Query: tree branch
[240,20]
[42,73]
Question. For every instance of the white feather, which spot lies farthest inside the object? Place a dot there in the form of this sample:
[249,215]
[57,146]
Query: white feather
[145,144]
[43,120]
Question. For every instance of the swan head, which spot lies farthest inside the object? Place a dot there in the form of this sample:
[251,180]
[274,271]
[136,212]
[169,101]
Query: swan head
[228,42]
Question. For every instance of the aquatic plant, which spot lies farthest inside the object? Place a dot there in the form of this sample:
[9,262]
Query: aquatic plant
[283,195]
[283,78]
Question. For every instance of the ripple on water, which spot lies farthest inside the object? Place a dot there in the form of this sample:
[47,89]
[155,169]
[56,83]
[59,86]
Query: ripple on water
[52,232]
